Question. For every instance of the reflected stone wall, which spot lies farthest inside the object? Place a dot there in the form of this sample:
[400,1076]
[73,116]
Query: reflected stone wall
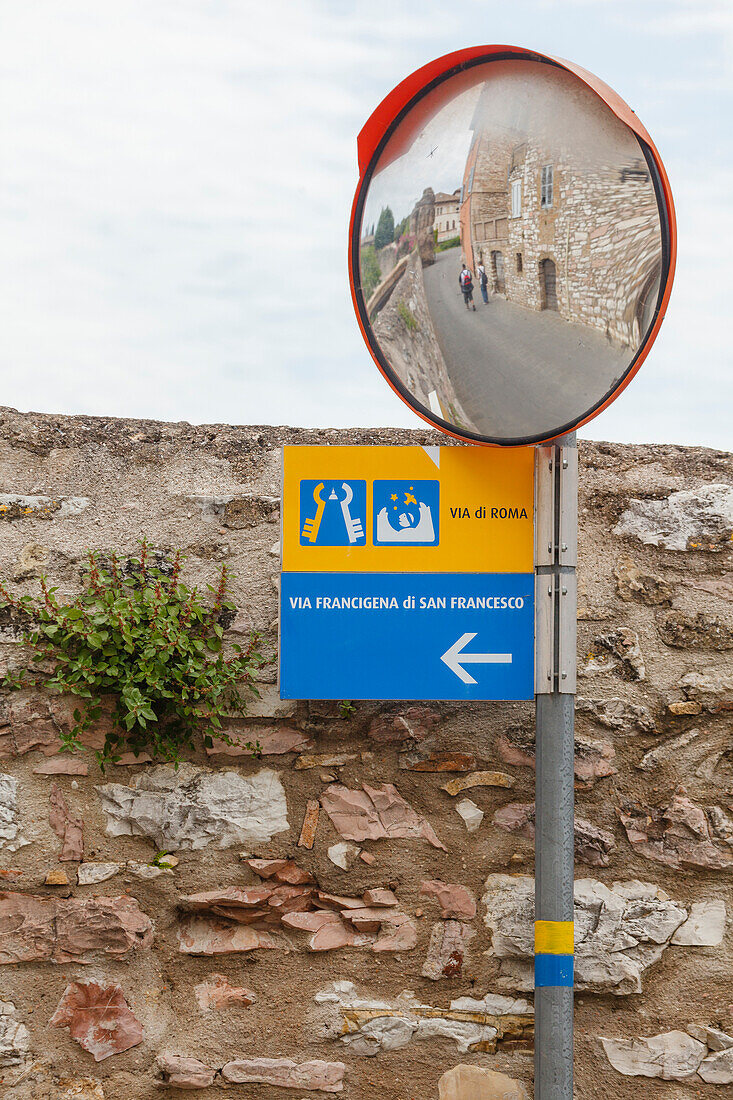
[593,251]
[407,338]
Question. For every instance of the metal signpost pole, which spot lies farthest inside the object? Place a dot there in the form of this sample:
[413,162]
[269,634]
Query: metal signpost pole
[556,612]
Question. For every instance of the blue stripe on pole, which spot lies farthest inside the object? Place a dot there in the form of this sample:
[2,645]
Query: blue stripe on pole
[553,970]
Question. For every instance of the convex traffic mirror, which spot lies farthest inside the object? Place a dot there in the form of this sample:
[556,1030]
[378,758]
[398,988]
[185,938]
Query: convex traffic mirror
[512,244]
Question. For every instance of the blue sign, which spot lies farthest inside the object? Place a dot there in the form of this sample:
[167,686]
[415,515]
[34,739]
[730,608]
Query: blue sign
[407,636]
[406,513]
[332,513]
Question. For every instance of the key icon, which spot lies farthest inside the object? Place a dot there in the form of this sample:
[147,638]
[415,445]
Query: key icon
[354,529]
[310,526]
[339,515]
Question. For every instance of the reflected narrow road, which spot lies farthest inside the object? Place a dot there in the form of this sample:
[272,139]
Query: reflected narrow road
[516,371]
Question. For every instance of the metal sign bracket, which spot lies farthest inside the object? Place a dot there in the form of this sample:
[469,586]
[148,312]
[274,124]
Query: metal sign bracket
[556,505]
[556,555]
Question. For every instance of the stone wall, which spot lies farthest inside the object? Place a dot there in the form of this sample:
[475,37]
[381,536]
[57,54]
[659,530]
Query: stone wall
[352,912]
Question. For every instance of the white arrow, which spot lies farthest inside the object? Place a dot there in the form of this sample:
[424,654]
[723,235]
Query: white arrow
[456,659]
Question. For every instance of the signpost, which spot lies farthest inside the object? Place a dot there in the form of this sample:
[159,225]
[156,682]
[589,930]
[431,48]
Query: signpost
[556,545]
[407,571]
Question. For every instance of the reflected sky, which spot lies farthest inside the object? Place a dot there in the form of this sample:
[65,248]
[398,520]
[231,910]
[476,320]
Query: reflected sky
[158,157]
[436,159]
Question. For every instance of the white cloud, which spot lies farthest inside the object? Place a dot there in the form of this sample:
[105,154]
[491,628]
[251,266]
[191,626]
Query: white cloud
[176,187]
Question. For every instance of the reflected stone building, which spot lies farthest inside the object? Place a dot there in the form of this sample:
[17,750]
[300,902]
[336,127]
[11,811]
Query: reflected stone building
[447,215]
[557,225]
[420,228]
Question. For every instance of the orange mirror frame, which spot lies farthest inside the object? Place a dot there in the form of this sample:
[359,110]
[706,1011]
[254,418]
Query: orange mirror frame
[382,124]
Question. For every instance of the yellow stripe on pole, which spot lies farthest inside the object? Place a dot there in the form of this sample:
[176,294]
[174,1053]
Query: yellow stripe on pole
[554,937]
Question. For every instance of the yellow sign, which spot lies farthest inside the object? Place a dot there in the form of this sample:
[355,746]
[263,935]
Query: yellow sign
[408,509]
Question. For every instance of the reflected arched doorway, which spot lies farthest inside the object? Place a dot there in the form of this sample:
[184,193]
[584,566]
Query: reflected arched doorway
[548,280]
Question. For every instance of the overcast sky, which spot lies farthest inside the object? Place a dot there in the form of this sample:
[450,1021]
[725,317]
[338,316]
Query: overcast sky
[176,180]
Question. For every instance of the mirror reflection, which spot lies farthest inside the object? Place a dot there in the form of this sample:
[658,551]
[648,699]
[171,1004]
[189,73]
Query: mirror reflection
[510,251]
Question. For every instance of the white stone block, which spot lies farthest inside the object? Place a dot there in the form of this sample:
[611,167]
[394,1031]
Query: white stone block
[471,814]
[673,1056]
[90,873]
[192,807]
[705,925]
[717,1069]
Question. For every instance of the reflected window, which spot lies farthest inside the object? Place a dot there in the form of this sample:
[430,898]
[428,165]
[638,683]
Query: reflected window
[516,198]
[547,186]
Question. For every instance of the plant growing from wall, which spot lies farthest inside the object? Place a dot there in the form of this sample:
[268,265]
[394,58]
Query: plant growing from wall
[165,860]
[408,318]
[140,636]
[371,275]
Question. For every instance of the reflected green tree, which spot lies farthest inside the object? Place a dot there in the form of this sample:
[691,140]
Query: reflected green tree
[385,229]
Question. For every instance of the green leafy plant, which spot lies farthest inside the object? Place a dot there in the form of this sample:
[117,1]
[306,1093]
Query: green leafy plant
[371,275]
[346,708]
[408,318]
[141,637]
[159,860]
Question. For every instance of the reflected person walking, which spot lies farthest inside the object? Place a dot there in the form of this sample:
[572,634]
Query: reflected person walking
[483,281]
[465,281]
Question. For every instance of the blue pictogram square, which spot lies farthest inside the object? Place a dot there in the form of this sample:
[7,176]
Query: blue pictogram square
[406,513]
[332,513]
